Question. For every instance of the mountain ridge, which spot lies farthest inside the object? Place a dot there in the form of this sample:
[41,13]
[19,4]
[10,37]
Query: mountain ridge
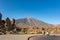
[28,22]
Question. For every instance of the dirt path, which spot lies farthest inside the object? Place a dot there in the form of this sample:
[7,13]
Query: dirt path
[15,37]
[20,37]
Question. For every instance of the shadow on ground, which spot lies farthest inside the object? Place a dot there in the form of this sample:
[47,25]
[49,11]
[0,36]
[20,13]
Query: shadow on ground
[46,37]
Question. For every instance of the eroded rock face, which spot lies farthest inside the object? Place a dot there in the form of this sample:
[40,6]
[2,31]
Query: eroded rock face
[41,37]
[27,26]
[13,22]
[0,16]
[0,19]
[13,26]
[2,25]
[8,24]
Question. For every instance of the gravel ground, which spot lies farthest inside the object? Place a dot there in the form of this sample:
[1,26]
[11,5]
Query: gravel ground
[52,37]
[30,36]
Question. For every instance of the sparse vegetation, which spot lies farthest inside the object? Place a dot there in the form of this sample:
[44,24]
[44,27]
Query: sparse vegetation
[9,27]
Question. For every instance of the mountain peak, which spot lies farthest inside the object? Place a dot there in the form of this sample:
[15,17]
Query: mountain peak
[27,22]
[28,18]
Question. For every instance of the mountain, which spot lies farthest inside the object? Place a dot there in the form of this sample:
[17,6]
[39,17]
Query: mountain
[31,22]
[56,25]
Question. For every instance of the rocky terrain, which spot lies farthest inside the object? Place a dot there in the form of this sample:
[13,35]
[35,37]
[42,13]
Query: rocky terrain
[29,37]
[42,37]
[36,26]
[27,26]
[29,22]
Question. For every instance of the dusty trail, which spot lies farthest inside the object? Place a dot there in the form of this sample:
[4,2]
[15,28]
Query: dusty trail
[25,37]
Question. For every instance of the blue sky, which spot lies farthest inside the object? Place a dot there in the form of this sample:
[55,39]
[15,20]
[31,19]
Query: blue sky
[45,10]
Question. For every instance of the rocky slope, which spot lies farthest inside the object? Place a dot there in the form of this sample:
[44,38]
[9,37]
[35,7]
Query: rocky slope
[31,22]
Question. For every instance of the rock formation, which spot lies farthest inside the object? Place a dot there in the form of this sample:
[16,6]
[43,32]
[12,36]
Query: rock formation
[7,26]
[26,26]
